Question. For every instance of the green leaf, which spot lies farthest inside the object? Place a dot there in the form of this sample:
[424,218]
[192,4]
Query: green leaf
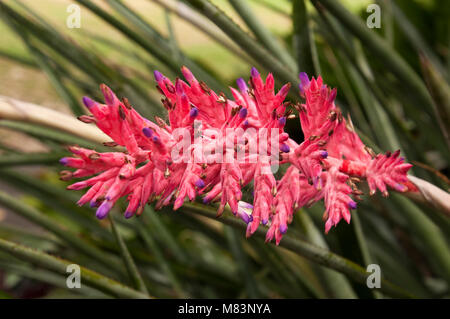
[132,269]
[88,277]
[247,43]
[262,34]
[303,40]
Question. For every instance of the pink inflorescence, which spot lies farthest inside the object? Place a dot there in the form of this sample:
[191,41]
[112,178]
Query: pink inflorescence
[327,165]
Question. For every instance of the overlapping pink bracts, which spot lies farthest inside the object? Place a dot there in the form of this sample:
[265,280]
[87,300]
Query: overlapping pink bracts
[326,165]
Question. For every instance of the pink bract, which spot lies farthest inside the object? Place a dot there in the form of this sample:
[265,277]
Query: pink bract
[327,165]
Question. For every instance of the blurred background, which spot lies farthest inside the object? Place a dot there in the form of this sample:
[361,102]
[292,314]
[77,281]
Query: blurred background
[393,80]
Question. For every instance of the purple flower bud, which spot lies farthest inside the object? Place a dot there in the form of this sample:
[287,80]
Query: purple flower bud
[243,113]
[206,200]
[264,222]
[158,76]
[88,102]
[254,72]
[128,214]
[245,217]
[200,183]
[194,112]
[155,139]
[352,205]
[64,161]
[324,154]
[285,148]
[304,81]
[283,229]
[92,204]
[242,85]
[103,209]
[282,121]
[246,123]
[147,132]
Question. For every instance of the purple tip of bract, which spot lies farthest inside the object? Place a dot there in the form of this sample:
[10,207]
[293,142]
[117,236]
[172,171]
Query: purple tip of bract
[243,113]
[264,221]
[64,161]
[304,78]
[282,121]
[155,139]
[254,72]
[103,210]
[158,76]
[147,131]
[200,183]
[206,200]
[92,204]
[324,154]
[128,214]
[242,85]
[283,229]
[193,112]
[88,102]
[285,148]
[304,81]
[352,205]
[246,123]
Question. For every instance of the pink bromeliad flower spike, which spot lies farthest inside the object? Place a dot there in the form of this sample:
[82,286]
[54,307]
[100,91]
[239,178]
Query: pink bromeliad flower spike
[326,165]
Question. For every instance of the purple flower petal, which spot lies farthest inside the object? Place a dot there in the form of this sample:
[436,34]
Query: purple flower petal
[103,209]
[194,112]
[242,85]
[254,72]
[147,132]
[243,113]
[158,76]
[285,148]
[88,102]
